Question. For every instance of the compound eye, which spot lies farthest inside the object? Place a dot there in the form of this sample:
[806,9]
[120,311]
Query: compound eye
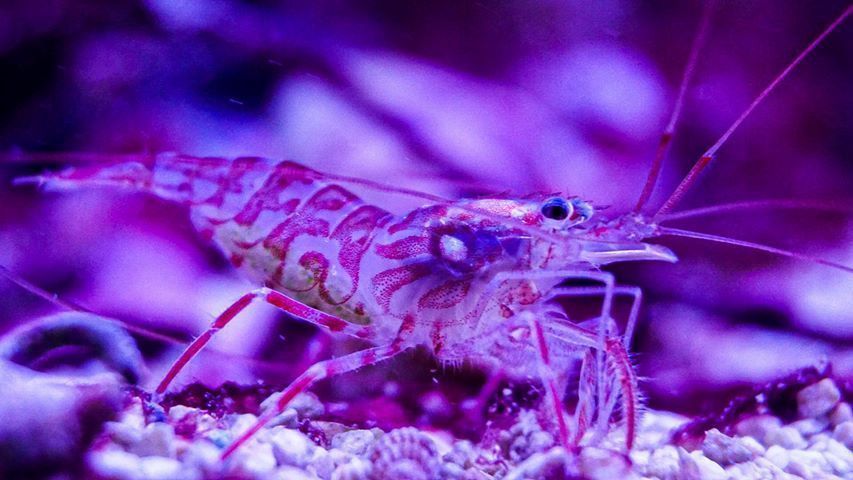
[557,208]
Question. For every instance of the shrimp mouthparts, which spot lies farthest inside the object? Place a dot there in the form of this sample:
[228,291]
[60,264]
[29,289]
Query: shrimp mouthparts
[603,253]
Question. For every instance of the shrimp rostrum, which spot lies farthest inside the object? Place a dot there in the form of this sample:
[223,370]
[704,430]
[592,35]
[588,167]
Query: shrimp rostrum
[479,280]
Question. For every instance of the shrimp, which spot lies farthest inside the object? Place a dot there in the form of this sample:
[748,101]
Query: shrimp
[471,279]
[467,279]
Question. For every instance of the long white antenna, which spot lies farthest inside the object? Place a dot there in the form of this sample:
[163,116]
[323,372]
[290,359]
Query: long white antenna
[706,157]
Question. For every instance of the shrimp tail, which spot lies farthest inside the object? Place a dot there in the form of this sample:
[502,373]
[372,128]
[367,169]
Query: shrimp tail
[180,178]
[136,175]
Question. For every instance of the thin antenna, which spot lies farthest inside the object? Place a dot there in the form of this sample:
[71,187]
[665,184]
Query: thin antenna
[42,293]
[75,307]
[70,158]
[669,131]
[706,158]
[141,331]
[816,205]
[676,232]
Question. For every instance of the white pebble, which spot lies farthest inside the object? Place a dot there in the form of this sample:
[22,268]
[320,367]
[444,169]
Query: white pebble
[220,438]
[323,463]
[123,434]
[115,464]
[758,427]
[241,423]
[202,456]
[758,469]
[688,469]
[843,434]
[602,464]
[253,459]
[811,426]
[838,466]
[640,458]
[355,442]
[841,453]
[778,456]
[787,437]
[806,464]
[839,449]
[752,445]
[657,428]
[818,399]
[158,440]
[725,450]
[205,423]
[134,415]
[539,464]
[664,463]
[816,441]
[841,413]
[356,469]
[292,473]
[178,412]
[772,470]
[461,453]
[449,471]
[708,469]
[291,447]
[306,404]
[162,468]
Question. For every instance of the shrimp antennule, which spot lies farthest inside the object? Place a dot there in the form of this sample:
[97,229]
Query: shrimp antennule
[677,232]
[706,157]
[669,131]
[815,205]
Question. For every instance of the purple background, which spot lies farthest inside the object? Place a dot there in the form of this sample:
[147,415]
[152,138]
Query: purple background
[452,98]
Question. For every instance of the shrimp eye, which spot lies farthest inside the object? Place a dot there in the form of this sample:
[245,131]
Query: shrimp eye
[556,208]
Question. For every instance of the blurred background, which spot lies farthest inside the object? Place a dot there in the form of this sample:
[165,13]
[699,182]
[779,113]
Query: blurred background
[453,98]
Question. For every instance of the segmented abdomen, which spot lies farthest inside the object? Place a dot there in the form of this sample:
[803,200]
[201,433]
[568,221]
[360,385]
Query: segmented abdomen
[280,223]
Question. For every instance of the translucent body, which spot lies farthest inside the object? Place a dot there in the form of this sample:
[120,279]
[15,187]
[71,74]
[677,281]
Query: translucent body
[469,279]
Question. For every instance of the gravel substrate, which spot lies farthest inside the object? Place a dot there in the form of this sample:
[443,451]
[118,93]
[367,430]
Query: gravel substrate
[148,442]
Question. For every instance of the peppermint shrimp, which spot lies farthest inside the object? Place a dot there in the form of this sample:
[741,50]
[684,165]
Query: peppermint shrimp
[467,279]
[474,279]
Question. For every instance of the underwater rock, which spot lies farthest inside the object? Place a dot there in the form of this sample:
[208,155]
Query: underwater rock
[843,433]
[49,420]
[841,413]
[757,446]
[787,437]
[725,450]
[291,447]
[51,416]
[103,341]
[356,442]
[818,399]
[404,454]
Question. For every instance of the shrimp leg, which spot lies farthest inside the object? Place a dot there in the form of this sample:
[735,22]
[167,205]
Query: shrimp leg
[608,281]
[635,293]
[586,396]
[618,364]
[318,371]
[277,299]
[549,377]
